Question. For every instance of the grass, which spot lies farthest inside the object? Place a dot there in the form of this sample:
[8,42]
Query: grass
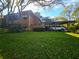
[39,45]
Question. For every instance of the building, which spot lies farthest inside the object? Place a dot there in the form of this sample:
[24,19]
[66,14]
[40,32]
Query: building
[26,18]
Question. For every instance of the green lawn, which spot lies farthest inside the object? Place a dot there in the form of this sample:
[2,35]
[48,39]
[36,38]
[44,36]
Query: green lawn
[39,45]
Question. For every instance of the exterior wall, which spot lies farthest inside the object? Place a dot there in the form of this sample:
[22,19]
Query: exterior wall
[31,21]
[34,21]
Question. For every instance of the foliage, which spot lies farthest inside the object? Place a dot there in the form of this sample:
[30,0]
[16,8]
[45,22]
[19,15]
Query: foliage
[72,28]
[76,14]
[38,29]
[3,30]
[60,18]
[16,28]
[12,4]
[73,15]
[66,9]
[77,31]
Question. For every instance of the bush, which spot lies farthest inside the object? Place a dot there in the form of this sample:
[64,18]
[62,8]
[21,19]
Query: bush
[72,28]
[17,28]
[3,30]
[77,31]
[39,29]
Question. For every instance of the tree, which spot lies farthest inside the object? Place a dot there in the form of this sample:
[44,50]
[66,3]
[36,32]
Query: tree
[60,18]
[75,14]
[11,5]
[71,12]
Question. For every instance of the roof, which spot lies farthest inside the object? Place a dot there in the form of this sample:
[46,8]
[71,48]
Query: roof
[62,22]
[17,16]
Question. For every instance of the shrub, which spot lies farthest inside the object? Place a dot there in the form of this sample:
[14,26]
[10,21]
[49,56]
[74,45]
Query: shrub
[17,28]
[77,31]
[39,29]
[72,28]
[3,30]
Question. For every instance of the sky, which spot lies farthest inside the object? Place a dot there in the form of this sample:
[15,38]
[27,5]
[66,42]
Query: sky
[47,12]
[50,12]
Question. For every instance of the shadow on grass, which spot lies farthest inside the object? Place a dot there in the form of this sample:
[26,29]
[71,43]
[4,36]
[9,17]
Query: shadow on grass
[74,39]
